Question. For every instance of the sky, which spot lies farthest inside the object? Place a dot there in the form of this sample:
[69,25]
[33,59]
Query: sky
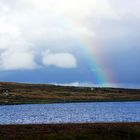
[70,42]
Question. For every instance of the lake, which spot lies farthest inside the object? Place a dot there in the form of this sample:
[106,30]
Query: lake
[70,113]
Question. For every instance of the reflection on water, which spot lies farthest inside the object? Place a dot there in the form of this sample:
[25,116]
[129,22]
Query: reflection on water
[71,112]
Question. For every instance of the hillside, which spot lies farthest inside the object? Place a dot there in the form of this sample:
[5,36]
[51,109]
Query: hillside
[19,93]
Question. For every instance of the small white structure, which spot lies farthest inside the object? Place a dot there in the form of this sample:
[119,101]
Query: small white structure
[92,89]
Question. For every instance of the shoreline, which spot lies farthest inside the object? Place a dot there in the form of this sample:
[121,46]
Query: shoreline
[76,102]
[17,93]
[72,124]
[72,131]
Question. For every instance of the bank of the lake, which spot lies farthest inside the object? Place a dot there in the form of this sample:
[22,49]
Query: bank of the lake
[85,131]
[21,93]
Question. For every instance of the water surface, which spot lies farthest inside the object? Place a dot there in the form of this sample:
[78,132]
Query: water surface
[70,112]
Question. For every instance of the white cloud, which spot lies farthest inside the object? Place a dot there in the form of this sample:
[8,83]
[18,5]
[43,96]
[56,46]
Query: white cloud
[27,26]
[77,84]
[13,60]
[62,60]
[49,20]
[81,84]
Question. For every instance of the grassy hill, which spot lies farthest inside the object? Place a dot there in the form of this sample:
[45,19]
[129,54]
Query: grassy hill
[19,93]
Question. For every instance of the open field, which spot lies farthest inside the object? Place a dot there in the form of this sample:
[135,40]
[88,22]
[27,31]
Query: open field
[15,93]
[92,131]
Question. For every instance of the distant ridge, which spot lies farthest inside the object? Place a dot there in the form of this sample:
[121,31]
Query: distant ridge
[26,93]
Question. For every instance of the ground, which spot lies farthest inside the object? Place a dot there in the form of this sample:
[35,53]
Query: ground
[43,93]
[92,131]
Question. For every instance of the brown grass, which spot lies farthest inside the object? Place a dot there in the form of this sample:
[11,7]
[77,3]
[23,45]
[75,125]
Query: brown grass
[41,93]
[92,131]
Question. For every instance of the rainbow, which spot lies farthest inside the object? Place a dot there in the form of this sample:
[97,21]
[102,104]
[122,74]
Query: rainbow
[95,59]
[98,74]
